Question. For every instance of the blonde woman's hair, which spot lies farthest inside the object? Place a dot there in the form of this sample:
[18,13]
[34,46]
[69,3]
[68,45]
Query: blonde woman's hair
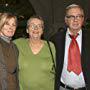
[4,17]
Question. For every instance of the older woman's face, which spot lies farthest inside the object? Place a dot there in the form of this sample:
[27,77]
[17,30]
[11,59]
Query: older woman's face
[35,28]
[9,28]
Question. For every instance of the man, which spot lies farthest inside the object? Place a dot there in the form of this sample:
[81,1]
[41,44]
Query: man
[73,49]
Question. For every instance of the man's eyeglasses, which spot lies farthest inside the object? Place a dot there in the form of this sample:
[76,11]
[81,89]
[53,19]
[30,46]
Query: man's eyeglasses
[35,27]
[72,17]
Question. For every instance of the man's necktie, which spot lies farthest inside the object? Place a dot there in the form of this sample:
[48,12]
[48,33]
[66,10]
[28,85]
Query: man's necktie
[74,57]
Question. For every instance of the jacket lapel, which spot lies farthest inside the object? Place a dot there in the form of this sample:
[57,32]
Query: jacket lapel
[84,52]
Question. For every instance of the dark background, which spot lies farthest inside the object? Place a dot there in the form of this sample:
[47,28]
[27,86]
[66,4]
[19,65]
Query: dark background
[52,12]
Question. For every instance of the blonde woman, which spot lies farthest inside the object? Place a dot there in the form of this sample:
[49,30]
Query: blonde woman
[8,53]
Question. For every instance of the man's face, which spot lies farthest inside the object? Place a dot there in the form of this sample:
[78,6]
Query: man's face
[74,19]
[9,28]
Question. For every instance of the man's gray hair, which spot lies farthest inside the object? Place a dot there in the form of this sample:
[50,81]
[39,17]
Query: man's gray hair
[74,6]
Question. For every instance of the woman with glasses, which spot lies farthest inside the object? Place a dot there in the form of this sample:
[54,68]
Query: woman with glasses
[35,60]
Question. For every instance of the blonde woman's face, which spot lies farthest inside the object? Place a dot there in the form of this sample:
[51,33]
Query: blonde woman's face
[35,28]
[9,28]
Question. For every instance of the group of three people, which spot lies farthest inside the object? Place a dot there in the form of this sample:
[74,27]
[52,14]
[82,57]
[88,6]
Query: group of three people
[36,64]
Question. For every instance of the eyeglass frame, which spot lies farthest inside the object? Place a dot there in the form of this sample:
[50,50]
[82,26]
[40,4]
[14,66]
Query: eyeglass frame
[72,17]
[35,27]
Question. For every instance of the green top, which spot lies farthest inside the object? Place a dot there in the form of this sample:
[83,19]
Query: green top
[35,71]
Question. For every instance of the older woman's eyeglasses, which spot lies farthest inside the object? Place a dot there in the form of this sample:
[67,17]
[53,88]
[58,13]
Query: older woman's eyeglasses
[35,27]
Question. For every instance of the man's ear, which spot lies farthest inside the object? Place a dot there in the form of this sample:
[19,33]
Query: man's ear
[65,19]
[27,30]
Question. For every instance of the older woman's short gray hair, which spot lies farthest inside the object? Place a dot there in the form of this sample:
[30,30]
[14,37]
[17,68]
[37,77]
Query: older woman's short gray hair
[37,17]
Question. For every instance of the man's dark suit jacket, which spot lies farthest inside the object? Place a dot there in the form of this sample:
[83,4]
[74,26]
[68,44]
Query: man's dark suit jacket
[59,41]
